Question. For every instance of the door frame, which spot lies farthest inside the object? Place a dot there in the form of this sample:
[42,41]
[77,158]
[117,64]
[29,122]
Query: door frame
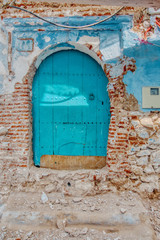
[44,54]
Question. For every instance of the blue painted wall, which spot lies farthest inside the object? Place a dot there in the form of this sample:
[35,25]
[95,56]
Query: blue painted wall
[45,34]
[115,40]
[147,56]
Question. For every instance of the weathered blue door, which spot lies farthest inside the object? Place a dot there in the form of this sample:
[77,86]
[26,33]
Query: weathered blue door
[71,108]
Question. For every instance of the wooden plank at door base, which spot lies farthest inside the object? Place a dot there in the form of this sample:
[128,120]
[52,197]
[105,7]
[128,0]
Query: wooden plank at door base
[59,162]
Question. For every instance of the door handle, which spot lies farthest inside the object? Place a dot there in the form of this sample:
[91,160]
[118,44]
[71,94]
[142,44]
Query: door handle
[91,96]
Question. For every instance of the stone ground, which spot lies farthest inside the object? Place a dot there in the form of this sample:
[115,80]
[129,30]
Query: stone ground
[152,205]
[111,216]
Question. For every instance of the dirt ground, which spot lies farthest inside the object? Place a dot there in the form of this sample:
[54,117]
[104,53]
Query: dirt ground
[153,207]
[53,216]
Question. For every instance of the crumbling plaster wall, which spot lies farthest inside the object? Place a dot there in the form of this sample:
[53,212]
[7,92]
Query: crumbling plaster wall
[133,149]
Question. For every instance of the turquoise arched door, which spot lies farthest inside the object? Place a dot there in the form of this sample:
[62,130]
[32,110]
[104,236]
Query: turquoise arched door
[71,107]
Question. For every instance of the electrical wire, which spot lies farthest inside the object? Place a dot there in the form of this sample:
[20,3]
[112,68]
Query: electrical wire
[154,44]
[142,41]
[72,27]
[65,26]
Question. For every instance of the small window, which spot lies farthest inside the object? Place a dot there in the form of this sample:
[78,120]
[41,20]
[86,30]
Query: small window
[154,91]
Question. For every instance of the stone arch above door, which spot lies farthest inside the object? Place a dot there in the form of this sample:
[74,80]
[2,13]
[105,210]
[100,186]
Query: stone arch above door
[68,46]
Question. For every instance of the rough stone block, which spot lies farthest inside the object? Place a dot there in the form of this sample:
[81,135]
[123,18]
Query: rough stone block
[150,179]
[142,133]
[3,131]
[147,122]
[157,122]
[143,153]
[142,161]
[155,159]
[137,170]
[149,170]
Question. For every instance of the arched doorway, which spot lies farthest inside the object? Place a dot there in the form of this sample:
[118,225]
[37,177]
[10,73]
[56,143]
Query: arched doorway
[71,112]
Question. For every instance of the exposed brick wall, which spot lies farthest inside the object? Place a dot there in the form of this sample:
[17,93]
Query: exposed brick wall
[118,139]
[64,9]
[15,115]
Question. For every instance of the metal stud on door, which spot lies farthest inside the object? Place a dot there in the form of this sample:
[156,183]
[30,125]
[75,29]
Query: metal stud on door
[71,108]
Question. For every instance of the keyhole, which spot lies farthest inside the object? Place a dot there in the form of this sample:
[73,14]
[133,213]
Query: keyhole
[102,102]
